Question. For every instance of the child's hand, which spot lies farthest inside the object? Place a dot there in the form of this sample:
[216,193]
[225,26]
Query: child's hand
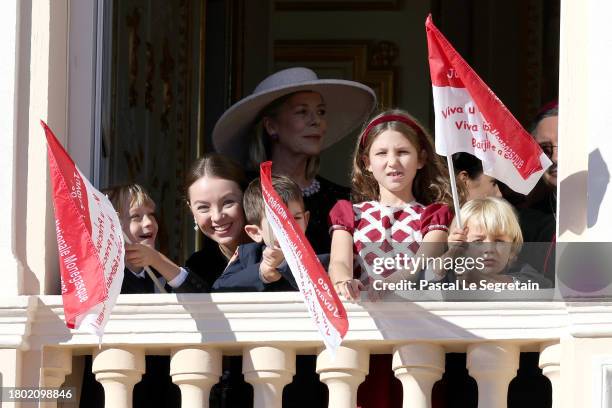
[349,289]
[140,255]
[273,256]
[373,294]
[271,259]
[457,240]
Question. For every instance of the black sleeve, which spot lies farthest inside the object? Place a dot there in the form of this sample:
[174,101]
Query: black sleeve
[203,268]
[192,284]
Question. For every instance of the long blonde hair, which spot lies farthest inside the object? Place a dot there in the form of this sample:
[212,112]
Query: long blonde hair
[431,183]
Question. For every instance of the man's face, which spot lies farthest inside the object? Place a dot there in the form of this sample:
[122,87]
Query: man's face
[546,134]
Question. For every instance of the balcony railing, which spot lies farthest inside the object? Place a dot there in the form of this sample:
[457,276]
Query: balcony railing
[269,329]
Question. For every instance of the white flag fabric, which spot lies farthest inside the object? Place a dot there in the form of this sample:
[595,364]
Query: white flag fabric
[89,241]
[324,305]
[471,119]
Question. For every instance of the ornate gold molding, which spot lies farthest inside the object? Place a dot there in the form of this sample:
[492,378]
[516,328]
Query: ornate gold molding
[336,5]
[363,61]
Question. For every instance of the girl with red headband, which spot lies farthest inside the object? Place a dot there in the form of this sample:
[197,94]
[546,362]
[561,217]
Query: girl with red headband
[400,191]
[400,199]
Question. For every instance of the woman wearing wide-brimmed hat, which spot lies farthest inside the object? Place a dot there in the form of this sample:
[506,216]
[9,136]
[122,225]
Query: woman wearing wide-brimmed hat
[290,118]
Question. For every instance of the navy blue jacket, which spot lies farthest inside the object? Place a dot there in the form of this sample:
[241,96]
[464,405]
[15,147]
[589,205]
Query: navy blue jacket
[242,275]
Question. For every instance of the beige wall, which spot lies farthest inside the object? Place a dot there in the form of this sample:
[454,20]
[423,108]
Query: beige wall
[580,369]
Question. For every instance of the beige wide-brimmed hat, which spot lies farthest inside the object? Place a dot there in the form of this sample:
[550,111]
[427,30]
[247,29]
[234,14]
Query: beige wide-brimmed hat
[348,103]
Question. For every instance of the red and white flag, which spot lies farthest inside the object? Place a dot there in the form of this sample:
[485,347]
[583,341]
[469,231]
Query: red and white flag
[89,241]
[471,119]
[323,303]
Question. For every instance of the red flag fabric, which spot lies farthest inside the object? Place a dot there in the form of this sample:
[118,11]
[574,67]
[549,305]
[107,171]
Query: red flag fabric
[320,297]
[471,119]
[89,241]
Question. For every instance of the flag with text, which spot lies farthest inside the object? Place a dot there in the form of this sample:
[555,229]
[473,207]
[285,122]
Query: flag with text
[471,119]
[89,241]
[319,295]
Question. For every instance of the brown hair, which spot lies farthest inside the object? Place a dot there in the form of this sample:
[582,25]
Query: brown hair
[260,144]
[124,196]
[431,183]
[253,202]
[214,165]
[472,167]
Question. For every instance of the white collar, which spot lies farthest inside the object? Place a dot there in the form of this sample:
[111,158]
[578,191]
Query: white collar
[140,274]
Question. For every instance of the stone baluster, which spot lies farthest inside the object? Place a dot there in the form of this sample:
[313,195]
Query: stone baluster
[268,369]
[550,363]
[56,365]
[418,366]
[195,371]
[343,374]
[493,366]
[118,370]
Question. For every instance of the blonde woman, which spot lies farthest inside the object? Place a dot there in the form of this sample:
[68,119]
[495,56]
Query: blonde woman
[290,118]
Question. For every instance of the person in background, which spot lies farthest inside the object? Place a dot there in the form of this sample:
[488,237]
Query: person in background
[471,181]
[401,201]
[290,118]
[260,265]
[136,211]
[214,189]
[401,194]
[493,232]
[537,211]
[545,131]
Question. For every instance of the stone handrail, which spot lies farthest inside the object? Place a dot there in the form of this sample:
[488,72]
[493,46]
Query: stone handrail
[269,329]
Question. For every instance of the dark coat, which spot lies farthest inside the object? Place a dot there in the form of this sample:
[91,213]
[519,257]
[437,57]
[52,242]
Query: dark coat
[134,284]
[203,267]
[242,275]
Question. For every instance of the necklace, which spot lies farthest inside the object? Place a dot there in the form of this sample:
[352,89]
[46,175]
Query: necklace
[313,188]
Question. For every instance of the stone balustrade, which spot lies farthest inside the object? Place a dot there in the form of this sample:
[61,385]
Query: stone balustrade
[269,330]
[269,368]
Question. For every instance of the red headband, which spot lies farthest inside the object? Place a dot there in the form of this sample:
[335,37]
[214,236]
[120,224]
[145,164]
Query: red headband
[390,118]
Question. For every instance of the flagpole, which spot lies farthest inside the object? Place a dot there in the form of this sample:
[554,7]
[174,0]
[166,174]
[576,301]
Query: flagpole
[453,182]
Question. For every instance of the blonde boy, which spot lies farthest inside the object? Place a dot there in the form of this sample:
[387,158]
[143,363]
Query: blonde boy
[493,231]
[136,210]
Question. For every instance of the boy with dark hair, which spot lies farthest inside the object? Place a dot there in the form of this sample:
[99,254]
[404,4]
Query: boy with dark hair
[261,266]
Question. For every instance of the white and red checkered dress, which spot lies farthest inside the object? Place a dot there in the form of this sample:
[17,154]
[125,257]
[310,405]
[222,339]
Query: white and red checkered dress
[380,231]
